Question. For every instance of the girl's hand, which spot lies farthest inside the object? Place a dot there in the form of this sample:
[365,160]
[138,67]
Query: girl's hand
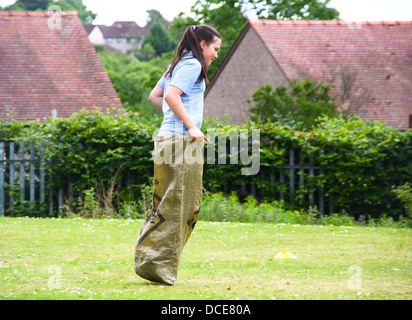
[197,134]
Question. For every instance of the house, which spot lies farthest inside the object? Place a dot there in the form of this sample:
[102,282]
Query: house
[48,66]
[96,36]
[368,66]
[96,33]
[122,36]
[125,35]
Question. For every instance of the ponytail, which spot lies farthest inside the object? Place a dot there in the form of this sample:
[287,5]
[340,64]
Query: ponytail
[191,42]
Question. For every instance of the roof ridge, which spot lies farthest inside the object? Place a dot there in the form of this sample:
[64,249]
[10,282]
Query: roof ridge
[36,13]
[324,22]
[124,21]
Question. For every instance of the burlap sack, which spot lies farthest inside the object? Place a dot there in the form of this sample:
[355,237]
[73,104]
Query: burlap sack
[177,196]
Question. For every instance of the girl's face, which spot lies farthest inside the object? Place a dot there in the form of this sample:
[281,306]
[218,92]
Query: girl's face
[210,50]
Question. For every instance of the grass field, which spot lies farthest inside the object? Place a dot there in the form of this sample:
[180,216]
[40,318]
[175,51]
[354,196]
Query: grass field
[93,259]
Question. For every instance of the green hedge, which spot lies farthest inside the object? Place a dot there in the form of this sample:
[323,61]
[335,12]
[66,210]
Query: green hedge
[108,154]
[362,162]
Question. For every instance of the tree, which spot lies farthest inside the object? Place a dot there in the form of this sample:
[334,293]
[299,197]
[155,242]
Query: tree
[159,39]
[180,24]
[293,9]
[146,53]
[133,80]
[85,15]
[154,16]
[299,107]
[30,5]
[227,16]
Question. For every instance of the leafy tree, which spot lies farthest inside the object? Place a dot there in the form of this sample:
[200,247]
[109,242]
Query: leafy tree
[227,16]
[133,80]
[147,53]
[180,24]
[293,9]
[29,5]
[154,16]
[299,107]
[20,5]
[85,15]
[159,39]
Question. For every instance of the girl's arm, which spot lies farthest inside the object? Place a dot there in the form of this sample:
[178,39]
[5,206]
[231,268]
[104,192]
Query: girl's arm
[156,97]
[174,101]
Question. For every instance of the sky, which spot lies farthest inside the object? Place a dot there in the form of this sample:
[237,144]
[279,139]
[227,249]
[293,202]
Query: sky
[109,11]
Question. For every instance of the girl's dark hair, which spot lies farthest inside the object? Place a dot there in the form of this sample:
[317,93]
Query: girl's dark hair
[191,42]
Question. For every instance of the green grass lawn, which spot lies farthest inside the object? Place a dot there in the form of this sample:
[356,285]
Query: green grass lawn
[93,259]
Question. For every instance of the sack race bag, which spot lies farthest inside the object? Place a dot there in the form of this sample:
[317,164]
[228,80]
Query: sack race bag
[174,211]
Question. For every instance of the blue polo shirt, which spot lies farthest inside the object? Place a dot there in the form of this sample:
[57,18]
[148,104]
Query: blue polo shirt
[185,77]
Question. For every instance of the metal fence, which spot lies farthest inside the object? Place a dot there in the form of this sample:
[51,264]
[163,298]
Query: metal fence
[22,176]
[25,181]
[295,181]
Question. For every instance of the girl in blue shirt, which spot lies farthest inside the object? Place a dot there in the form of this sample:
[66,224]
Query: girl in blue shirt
[179,93]
[177,193]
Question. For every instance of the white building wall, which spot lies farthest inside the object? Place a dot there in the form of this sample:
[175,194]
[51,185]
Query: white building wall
[96,36]
[124,44]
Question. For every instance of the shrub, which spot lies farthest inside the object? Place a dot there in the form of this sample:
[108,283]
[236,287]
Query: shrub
[218,207]
[360,162]
[404,194]
[299,107]
[362,165]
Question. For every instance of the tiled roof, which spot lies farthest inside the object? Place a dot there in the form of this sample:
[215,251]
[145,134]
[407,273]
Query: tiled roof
[378,53]
[42,68]
[90,27]
[125,29]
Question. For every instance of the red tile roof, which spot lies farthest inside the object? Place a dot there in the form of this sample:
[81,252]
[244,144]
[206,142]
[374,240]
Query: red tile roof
[379,53]
[42,69]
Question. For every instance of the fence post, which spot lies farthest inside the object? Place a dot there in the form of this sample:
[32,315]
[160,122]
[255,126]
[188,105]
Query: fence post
[311,174]
[32,178]
[60,192]
[22,169]
[1,178]
[11,178]
[42,174]
[301,176]
[282,180]
[321,191]
[51,204]
[330,203]
[272,177]
[292,174]
[253,190]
